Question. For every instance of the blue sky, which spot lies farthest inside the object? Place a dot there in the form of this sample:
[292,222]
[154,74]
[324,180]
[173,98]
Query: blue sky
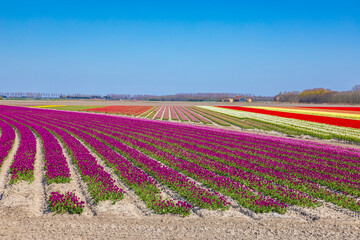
[167,47]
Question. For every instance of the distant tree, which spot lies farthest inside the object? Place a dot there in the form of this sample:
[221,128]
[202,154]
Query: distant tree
[356,88]
[315,95]
[287,97]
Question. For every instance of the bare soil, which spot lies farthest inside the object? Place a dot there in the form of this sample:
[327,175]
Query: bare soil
[112,227]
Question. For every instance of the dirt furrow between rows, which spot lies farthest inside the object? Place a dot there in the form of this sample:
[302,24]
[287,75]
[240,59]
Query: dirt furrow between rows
[25,198]
[235,210]
[4,173]
[40,201]
[76,185]
[130,206]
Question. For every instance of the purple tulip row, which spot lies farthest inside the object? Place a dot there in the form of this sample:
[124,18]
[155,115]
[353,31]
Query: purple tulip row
[255,182]
[162,130]
[56,167]
[302,148]
[233,168]
[256,202]
[317,150]
[100,184]
[143,185]
[266,149]
[280,160]
[190,153]
[22,167]
[184,186]
[291,181]
[7,140]
[235,164]
[66,203]
[259,158]
[303,167]
[315,189]
[232,188]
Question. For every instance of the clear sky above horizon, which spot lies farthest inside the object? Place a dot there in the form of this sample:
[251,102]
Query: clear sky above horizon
[168,47]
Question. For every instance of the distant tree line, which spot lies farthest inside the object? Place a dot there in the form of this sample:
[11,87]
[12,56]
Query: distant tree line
[202,97]
[135,97]
[321,95]
[34,95]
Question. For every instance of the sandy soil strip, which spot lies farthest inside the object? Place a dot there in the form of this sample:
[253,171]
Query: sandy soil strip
[307,214]
[4,173]
[131,200]
[342,213]
[40,201]
[25,198]
[130,206]
[113,227]
[76,185]
[162,116]
[235,210]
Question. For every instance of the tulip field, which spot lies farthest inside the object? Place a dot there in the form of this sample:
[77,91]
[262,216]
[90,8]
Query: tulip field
[168,167]
[341,123]
[166,113]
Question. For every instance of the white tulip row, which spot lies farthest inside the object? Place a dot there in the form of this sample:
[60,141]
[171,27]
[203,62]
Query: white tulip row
[312,128]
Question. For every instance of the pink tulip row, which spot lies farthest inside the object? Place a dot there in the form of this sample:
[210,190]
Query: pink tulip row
[160,113]
[181,115]
[174,115]
[166,114]
[190,116]
[198,116]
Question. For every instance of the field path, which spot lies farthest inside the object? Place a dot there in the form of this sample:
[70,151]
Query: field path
[112,227]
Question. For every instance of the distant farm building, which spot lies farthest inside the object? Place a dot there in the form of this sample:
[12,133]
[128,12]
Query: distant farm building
[239,99]
[227,100]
